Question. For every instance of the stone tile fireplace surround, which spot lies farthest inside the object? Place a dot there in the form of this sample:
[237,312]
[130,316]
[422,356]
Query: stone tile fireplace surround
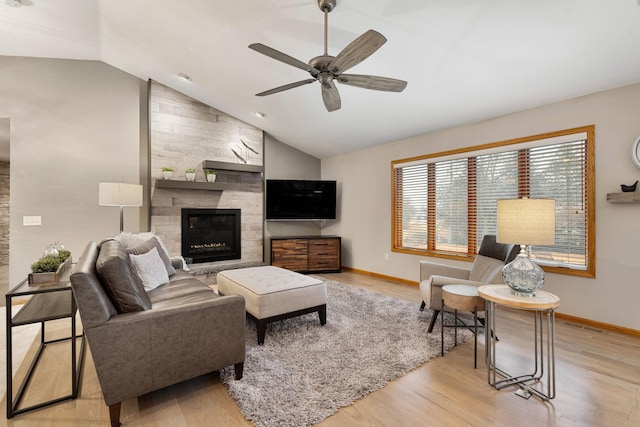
[183,134]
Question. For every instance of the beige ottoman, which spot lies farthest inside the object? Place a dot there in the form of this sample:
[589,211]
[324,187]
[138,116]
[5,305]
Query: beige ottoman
[274,293]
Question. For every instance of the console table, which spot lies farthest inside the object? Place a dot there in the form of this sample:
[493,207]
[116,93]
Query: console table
[542,304]
[44,303]
[308,254]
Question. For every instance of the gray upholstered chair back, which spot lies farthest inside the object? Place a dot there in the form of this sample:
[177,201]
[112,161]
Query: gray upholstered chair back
[502,251]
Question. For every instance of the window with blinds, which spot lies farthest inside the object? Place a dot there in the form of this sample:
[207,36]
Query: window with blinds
[445,203]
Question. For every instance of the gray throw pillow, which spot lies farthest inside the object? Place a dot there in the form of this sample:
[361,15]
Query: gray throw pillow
[150,244]
[119,279]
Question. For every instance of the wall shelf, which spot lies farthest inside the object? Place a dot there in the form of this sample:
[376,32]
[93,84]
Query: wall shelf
[190,185]
[237,167]
[630,197]
[176,184]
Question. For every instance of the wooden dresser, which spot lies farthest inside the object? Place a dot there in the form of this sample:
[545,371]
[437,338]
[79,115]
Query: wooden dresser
[308,254]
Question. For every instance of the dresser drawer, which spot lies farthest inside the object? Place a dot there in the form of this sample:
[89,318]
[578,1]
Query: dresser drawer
[290,254]
[324,254]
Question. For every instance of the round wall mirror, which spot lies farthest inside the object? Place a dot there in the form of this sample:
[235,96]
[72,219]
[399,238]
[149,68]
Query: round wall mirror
[635,152]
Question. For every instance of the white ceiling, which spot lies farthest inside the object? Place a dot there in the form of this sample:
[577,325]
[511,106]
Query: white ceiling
[465,60]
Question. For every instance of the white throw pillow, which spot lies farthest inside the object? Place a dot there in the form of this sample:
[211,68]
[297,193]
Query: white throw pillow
[151,269]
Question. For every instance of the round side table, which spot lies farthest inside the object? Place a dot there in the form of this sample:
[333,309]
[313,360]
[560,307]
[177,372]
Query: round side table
[465,298]
[542,305]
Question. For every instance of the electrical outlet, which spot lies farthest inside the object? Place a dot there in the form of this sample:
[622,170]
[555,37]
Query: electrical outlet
[386,256]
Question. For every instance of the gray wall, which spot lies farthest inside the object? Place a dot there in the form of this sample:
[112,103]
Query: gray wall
[284,162]
[73,124]
[612,297]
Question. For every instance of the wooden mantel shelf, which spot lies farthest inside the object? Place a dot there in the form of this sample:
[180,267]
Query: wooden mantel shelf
[189,185]
[211,186]
[630,197]
[238,167]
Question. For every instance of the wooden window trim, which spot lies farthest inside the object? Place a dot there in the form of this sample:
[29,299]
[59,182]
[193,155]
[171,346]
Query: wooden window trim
[589,130]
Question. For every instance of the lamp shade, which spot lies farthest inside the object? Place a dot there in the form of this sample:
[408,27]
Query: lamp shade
[119,194]
[527,221]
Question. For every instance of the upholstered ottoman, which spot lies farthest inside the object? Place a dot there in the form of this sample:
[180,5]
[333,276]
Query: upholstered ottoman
[274,293]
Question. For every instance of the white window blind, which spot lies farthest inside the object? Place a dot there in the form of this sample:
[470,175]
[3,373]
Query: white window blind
[411,206]
[558,172]
[496,178]
[451,205]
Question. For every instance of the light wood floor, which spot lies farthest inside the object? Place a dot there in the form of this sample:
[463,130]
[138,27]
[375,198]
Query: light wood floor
[598,384]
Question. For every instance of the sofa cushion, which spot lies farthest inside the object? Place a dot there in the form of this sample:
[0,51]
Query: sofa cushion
[151,269]
[180,285]
[119,279]
[146,246]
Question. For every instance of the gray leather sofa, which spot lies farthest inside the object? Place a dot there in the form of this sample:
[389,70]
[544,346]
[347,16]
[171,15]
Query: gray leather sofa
[144,341]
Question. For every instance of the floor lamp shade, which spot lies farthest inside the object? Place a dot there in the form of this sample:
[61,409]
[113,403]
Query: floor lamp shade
[525,222]
[119,194]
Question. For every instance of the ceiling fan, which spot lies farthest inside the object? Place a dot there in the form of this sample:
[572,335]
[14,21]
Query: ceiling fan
[326,68]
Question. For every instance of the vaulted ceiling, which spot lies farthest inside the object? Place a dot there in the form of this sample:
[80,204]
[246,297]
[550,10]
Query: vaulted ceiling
[465,60]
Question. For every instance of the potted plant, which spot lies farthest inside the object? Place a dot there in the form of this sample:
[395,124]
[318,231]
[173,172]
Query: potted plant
[190,173]
[48,269]
[211,175]
[167,173]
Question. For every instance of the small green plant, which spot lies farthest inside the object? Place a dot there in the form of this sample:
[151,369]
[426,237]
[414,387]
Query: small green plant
[190,170]
[167,169]
[63,255]
[46,264]
[210,172]
[50,263]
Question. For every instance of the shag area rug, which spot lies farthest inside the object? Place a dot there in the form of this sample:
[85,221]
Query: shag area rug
[305,372]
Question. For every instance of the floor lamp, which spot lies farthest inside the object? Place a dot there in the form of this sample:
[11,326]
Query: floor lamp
[119,194]
[525,222]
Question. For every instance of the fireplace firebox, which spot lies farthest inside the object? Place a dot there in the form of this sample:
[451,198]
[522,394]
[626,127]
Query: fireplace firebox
[211,234]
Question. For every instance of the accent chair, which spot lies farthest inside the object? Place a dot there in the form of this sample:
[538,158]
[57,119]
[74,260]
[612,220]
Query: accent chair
[486,269]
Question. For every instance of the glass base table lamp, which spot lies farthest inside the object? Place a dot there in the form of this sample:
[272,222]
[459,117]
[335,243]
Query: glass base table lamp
[119,194]
[525,222]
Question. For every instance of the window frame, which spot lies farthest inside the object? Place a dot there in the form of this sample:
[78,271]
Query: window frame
[478,150]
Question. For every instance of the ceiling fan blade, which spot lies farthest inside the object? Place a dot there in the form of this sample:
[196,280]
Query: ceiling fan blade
[285,87]
[282,57]
[330,96]
[357,51]
[372,82]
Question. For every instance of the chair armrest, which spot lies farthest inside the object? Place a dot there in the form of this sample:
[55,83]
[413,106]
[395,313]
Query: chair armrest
[440,281]
[428,269]
[136,353]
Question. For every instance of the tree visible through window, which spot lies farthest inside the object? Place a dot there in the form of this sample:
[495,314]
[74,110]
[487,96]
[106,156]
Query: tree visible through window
[445,203]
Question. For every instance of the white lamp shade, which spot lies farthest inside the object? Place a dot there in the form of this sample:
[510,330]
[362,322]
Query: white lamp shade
[527,221]
[119,194]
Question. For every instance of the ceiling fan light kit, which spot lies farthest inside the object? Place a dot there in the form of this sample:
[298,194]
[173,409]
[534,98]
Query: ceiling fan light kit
[326,68]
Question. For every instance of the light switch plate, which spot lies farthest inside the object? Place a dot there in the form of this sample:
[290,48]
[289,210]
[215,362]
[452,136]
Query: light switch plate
[31,220]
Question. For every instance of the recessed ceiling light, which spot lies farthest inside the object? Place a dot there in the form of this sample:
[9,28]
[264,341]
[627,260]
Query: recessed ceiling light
[260,114]
[184,77]
[13,3]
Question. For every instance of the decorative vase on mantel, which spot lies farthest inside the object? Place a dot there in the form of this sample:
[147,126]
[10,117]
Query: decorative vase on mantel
[190,174]
[211,176]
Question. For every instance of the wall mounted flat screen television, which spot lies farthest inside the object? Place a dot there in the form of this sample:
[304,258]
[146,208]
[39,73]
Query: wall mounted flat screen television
[291,200]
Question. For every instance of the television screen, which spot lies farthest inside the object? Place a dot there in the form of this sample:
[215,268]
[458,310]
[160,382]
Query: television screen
[300,199]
